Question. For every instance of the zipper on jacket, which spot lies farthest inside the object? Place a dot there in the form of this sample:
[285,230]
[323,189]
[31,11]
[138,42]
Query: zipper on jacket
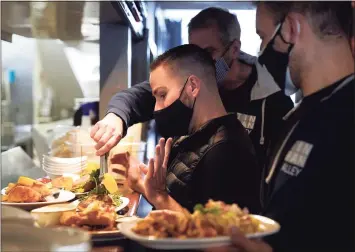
[262,139]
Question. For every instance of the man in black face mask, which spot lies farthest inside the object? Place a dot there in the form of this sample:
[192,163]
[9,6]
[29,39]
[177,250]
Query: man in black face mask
[310,173]
[246,88]
[215,160]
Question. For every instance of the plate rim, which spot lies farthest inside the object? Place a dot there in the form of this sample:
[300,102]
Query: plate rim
[42,203]
[103,234]
[125,202]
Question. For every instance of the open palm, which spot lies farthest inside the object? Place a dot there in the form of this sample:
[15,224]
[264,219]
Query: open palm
[155,180]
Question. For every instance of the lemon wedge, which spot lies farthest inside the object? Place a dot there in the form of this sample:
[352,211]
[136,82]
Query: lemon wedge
[92,166]
[110,183]
[25,181]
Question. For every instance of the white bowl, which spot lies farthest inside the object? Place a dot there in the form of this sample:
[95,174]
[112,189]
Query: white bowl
[64,168]
[61,171]
[53,175]
[49,215]
[65,162]
[56,168]
[59,160]
[63,165]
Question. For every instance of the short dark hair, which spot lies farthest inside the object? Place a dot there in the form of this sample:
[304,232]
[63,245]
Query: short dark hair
[226,22]
[326,18]
[187,59]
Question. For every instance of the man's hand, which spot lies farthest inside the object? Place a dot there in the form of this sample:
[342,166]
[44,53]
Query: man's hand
[155,180]
[242,244]
[107,133]
[134,178]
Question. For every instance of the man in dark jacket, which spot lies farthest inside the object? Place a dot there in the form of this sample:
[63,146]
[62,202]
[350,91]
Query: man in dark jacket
[310,178]
[214,158]
[246,87]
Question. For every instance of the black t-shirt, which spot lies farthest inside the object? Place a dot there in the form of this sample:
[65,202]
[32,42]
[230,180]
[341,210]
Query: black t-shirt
[311,192]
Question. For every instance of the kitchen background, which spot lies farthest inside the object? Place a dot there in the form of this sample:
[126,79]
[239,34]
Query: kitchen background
[57,56]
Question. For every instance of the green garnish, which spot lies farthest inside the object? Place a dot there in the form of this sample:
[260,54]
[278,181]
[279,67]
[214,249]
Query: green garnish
[203,210]
[198,207]
[95,175]
[94,178]
[100,189]
[116,198]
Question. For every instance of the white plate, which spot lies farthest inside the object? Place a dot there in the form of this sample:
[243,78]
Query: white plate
[123,218]
[125,202]
[269,226]
[60,173]
[64,196]
[65,160]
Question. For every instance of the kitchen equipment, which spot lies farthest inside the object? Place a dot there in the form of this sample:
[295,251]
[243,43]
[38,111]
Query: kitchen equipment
[17,237]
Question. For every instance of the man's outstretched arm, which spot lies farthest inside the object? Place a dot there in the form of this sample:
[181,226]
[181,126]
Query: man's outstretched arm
[133,105]
[125,108]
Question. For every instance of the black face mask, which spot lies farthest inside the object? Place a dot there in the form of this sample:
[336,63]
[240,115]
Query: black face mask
[277,64]
[175,119]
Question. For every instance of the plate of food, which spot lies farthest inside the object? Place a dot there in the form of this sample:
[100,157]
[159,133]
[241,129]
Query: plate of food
[106,192]
[95,212]
[208,226]
[28,194]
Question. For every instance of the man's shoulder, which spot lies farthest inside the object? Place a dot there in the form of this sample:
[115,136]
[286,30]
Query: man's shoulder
[229,129]
[336,109]
[342,98]
[222,131]
[330,124]
[232,136]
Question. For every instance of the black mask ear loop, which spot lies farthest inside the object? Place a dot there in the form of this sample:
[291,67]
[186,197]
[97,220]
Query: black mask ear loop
[183,90]
[282,38]
[183,87]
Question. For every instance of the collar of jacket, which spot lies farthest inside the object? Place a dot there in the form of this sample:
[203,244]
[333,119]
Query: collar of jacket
[206,130]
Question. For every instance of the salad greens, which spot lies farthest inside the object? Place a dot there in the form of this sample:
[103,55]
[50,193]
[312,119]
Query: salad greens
[93,179]
[200,208]
[100,189]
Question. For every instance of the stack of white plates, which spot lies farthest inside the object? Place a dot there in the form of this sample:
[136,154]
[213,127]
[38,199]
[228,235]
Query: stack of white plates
[56,167]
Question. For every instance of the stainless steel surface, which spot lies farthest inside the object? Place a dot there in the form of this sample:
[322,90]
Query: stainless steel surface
[115,62]
[14,163]
[103,164]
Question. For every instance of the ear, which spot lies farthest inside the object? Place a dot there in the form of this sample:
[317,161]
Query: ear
[195,86]
[235,49]
[292,27]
